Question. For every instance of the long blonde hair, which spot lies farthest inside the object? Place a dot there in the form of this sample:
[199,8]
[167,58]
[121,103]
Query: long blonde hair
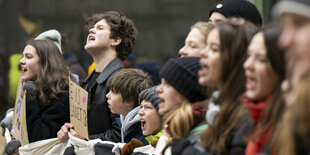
[203,27]
[180,120]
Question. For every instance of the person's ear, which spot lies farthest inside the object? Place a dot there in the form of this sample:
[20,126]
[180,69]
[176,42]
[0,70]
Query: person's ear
[129,103]
[116,42]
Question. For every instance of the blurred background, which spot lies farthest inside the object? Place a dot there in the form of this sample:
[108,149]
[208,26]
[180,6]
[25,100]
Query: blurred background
[162,24]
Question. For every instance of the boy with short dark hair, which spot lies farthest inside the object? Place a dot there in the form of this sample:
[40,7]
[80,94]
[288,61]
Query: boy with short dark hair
[125,87]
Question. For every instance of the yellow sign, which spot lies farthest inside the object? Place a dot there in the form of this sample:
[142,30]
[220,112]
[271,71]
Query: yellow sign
[78,108]
[19,123]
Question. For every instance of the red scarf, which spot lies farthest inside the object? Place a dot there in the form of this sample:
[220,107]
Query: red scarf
[255,109]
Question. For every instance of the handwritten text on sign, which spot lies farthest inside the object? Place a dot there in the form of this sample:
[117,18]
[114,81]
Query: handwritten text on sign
[78,109]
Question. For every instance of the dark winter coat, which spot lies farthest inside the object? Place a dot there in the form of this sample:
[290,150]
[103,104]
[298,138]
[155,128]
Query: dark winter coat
[45,122]
[235,143]
[131,127]
[101,122]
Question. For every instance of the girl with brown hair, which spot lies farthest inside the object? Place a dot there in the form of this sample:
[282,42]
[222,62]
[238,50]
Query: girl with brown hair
[221,62]
[264,70]
[45,74]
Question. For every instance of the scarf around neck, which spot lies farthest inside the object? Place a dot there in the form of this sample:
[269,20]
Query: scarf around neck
[131,118]
[256,107]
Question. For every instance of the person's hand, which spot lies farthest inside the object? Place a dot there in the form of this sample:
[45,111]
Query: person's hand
[117,148]
[75,134]
[166,131]
[62,134]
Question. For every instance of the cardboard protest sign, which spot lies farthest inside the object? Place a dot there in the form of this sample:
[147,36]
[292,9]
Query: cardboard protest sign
[78,108]
[19,123]
[2,140]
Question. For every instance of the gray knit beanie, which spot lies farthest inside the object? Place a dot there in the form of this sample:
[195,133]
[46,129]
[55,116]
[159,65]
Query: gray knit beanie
[52,35]
[150,95]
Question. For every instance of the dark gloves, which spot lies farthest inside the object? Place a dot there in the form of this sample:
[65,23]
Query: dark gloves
[130,146]
[7,121]
[11,148]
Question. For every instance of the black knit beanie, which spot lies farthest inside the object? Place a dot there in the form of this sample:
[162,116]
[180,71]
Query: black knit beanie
[150,95]
[182,74]
[238,8]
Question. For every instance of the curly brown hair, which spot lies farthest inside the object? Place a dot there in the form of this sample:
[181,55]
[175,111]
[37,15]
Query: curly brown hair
[121,27]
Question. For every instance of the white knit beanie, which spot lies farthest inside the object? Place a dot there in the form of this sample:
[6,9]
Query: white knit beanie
[52,35]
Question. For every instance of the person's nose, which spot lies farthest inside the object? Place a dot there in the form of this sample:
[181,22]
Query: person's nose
[92,30]
[141,112]
[108,95]
[159,89]
[286,39]
[204,52]
[22,61]
[183,52]
[248,64]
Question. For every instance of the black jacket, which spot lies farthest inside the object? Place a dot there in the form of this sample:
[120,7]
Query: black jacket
[44,123]
[101,122]
[235,143]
